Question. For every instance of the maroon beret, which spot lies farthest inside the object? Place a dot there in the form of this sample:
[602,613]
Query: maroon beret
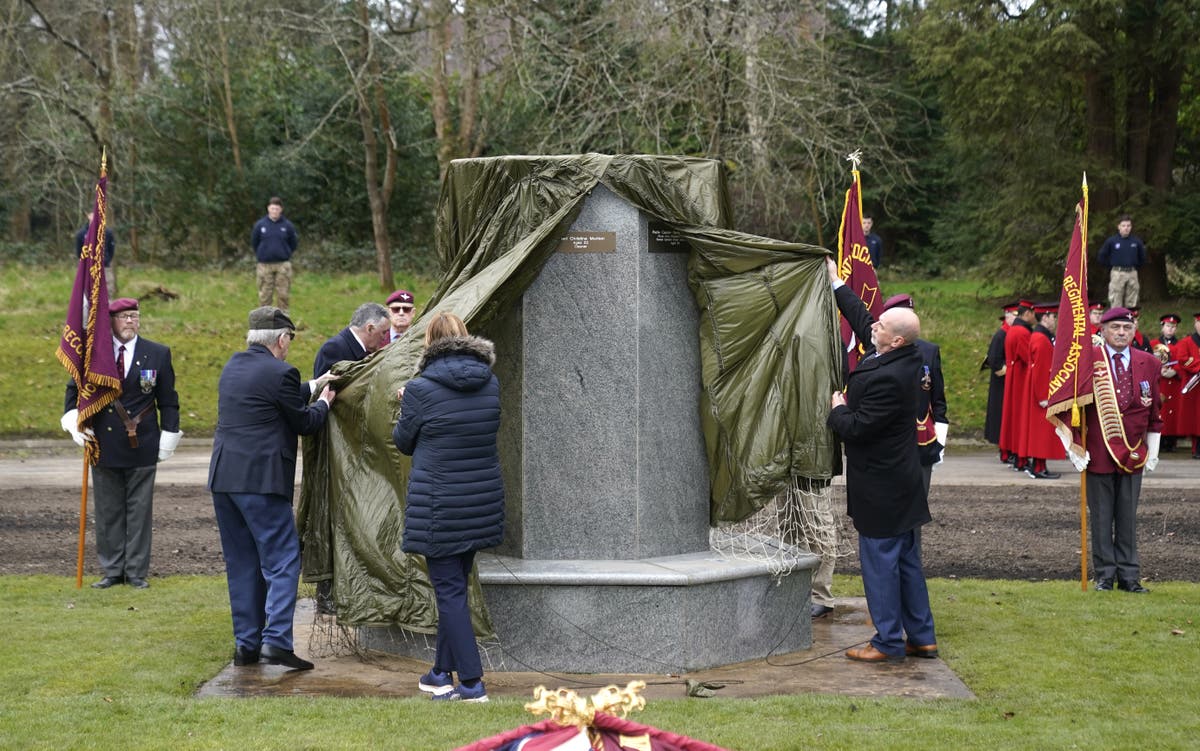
[400,295]
[122,304]
[1117,314]
[898,301]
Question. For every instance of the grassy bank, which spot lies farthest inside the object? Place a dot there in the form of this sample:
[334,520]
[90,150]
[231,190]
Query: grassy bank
[206,323]
[203,326]
[1052,668]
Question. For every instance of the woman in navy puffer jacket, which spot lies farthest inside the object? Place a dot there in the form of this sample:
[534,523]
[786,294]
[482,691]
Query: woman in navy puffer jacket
[449,416]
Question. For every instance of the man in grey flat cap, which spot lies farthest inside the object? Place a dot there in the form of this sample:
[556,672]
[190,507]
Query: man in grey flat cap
[261,409]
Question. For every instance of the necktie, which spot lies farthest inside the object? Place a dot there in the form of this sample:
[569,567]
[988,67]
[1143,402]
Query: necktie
[121,361]
[1121,380]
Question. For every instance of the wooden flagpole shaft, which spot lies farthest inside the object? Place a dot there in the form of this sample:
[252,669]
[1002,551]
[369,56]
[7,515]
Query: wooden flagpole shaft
[1083,511]
[82,525]
[1083,534]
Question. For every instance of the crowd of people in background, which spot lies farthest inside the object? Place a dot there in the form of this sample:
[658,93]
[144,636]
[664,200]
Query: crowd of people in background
[1018,359]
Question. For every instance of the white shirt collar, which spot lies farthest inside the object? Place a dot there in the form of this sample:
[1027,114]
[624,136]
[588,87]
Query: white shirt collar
[1112,351]
[354,334]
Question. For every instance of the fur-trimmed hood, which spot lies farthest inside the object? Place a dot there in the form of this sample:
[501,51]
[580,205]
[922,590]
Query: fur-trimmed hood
[463,363]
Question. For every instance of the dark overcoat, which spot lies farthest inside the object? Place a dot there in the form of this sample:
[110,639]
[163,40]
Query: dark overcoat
[885,489]
[449,417]
[994,363]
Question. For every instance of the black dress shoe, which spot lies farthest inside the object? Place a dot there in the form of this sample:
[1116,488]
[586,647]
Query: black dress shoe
[1104,585]
[1133,586]
[243,656]
[137,582]
[108,581]
[820,611]
[273,655]
[1045,474]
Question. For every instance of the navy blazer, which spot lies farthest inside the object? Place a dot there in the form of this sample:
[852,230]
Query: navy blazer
[340,346]
[261,408]
[885,488]
[932,398]
[151,381]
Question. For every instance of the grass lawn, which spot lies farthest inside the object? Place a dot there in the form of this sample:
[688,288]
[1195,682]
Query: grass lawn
[1052,668]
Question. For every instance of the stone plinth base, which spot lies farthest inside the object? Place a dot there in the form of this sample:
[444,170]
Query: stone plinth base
[656,615]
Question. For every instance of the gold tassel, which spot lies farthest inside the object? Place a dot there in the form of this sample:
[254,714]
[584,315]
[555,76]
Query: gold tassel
[1075,417]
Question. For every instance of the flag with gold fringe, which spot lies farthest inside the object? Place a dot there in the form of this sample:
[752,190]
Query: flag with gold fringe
[854,264]
[85,348]
[1071,366]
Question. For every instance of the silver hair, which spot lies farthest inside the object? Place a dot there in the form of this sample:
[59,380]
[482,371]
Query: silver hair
[265,337]
[369,312]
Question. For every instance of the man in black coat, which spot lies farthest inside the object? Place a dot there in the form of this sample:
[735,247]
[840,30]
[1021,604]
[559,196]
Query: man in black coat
[996,365]
[369,330]
[261,408]
[876,419]
[134,433]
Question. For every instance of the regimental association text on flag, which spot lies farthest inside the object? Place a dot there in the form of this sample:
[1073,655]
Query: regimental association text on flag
[1071,367]
[85,348]
[855,268]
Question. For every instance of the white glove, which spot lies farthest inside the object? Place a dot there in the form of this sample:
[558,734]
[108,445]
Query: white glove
[1152,441]
[1079,462]
[942,431]
[69,423]
[167,443]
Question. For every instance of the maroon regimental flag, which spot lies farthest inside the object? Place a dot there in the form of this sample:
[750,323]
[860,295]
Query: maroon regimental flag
[854,267]
[86,349]
[1071,369]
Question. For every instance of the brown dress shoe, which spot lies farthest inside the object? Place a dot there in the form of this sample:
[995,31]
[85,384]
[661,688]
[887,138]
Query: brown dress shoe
[869,653]
[926,651]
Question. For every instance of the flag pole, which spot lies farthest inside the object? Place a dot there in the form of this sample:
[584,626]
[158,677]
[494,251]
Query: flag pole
[82,525]
[1083,504]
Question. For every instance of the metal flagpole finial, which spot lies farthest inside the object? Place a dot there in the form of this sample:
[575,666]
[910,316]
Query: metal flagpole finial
[1085,179]
[854,158]
[103,161]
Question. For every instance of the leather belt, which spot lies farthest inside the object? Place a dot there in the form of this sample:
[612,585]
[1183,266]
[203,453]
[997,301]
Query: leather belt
[1124,268]
[131,423]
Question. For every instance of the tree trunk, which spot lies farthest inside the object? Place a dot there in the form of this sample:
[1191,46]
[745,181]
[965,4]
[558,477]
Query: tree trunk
[227,90]
[375,191]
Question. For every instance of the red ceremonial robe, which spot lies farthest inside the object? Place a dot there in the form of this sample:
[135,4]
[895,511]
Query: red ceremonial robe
[1187,352]
[1015,418]
[1043,442]
[1168,389]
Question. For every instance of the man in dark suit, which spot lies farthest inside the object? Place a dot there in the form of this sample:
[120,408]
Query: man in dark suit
[876,419]
[368,331]
[933,426]
[1123,432]
[110,250]
[134,433]
[261,408]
